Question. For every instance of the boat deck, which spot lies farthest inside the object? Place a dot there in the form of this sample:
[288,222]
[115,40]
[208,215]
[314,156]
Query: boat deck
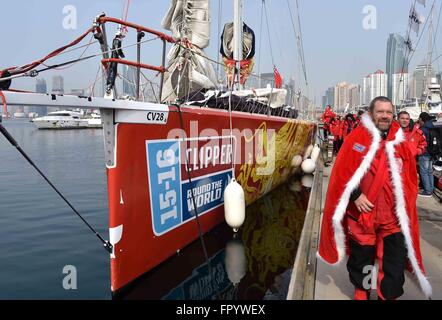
[332,283]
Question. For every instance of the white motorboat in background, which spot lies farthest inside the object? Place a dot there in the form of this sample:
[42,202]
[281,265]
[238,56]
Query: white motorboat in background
[414,108]
[94,120]
[64,119]
[434,101]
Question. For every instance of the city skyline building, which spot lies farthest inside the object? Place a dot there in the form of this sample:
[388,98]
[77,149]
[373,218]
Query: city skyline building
[267,78]
[341,95]
[57,88]
[57,85]
[400,86]
[129,80]
[324,102]
[374,85]
[439,78]
[291,94]
[395,62]
[77,92]
[418,84]
[41,87]
[330,94]
[354,96]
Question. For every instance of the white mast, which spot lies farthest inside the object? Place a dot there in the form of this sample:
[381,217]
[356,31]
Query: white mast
[428,69]
[237,40]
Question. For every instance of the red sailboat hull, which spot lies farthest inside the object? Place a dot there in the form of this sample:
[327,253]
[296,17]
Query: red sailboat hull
[150,195]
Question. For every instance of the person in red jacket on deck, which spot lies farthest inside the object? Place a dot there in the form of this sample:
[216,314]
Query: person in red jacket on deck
[358,117]
[355,121]
[370,209]
[343,126]
[350,124]
[334,130]
[326,118]
[328,114]
[413,134]
[341,130]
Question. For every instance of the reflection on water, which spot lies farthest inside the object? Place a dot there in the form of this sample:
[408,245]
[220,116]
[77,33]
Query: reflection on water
[254,264]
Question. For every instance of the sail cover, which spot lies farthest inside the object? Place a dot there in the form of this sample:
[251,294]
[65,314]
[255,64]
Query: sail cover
[188,70]
[226,51]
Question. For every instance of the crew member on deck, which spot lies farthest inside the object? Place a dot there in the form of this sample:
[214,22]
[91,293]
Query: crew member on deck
[326,118]
[413,134]
[426,159]
[335,130]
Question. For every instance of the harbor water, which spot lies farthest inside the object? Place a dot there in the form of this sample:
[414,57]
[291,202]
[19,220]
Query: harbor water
[42,240]
[39,233]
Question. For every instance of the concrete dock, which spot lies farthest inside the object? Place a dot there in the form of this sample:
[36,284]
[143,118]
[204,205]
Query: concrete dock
[312,279]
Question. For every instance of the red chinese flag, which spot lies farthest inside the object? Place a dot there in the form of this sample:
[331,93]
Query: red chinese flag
[278,78]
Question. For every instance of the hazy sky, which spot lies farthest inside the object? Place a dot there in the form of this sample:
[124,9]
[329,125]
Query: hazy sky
[337,47]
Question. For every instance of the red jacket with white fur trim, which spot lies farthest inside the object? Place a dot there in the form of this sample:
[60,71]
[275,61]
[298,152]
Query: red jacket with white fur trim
[352,162]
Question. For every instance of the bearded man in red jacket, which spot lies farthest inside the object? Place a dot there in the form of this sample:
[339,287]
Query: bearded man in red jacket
[370,210]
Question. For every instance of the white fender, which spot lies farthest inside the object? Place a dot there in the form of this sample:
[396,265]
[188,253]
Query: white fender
[307,180]
[296,161]
[308,151]
[234,205]
[235,261]
[315,153]
[308,166]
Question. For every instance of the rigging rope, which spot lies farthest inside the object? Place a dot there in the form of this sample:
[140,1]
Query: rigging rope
[220,10]
[437,27]
[300,46]
[77,48]
[419,39]
[106,244]
[151,86]
[197,218]
[143,86]
[260,42]
[268,33]
[296,37]
[97,77]
[125,10]
[32,65]
[429,64]
[122,28]
[34,73]
[200,232]
[407,53]
[20,72]
[438,64]
[81,55]
[304,68]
